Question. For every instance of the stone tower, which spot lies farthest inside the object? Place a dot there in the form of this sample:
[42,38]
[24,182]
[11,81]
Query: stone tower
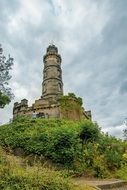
[48,105]
[52,86]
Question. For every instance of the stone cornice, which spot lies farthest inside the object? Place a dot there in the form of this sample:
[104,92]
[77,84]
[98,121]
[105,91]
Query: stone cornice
[53,65]
[54,54]
[53,78]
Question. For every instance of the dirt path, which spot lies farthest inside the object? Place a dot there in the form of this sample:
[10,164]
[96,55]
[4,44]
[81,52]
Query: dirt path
[102,184]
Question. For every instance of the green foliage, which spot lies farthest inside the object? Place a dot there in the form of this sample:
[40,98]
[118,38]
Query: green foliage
[64,146]
[5,67]
[4,100]
[95,161]
[113,158]
[76,146]
[71,107]
[15,174]
[125,134]
[66,103]
[113,150]
[99,167]
[89,132]
[57,140]
[122,173]
[78,99]
[72,95]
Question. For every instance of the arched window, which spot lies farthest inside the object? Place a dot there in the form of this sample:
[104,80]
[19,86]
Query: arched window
[44,88]
[58,73]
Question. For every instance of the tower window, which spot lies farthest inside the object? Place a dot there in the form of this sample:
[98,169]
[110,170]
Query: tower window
[44,88]
[58,73]
[59,87]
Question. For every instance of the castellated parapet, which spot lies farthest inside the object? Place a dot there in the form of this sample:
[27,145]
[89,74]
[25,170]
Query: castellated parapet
[48,105]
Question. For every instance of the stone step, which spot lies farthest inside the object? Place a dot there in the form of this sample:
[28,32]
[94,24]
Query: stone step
[115,185]
[120,188]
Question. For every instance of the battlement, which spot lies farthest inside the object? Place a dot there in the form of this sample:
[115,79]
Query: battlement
[20,107]
[23,103]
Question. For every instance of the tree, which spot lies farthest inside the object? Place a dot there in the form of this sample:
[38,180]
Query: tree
[89,132]
[125,134]
[125,131]
[5,66]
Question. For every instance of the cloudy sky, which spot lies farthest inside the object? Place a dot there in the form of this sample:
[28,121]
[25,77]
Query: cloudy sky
[91,36]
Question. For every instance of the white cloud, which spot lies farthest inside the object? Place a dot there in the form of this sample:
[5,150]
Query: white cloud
[116,130]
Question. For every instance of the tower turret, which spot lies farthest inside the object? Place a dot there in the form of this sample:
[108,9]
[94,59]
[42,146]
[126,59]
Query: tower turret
[52,86]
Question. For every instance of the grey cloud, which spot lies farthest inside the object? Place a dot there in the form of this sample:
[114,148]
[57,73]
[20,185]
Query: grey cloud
[94,53]
[8,8]
[123,87]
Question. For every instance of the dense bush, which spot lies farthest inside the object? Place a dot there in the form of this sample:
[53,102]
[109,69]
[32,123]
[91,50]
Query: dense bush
[122,173]
[89,132]
[113,150]
[77,146]
[57,140]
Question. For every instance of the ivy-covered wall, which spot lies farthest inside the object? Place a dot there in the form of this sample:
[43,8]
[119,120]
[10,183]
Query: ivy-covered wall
[71,107]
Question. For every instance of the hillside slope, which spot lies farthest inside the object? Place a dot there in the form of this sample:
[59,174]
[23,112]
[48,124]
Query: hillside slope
[16,174]
[78,147]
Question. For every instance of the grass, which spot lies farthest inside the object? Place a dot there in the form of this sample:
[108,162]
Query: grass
[16,174]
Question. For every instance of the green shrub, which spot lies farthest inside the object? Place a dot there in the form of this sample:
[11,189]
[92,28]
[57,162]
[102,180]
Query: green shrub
[89,132]
[122,173]
[113,158]
[55,139]
[99,167]
[77,146]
